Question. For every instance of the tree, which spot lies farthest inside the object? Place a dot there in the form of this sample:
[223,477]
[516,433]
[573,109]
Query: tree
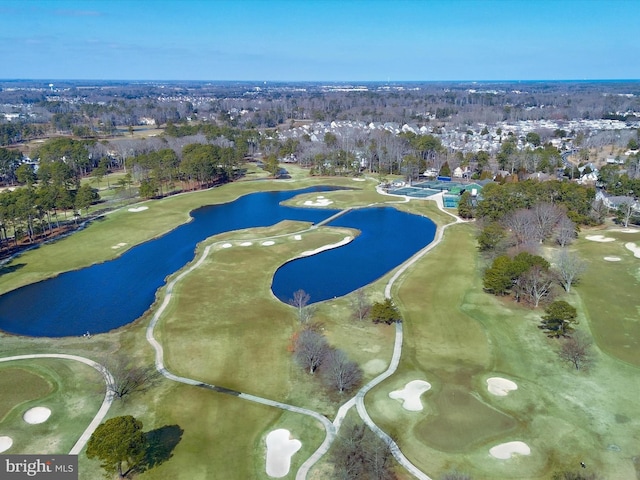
[310,349]
[565,231]
[360,305]
[465,206]
[271,165]
[358,453]
[558,318]
[491,237]
[533,138]
[300,301]
[85,196]
[25,175]
[625,211]
[385,312]
[120,444]
[127,380]
[536,284]
[577,350]
[569,267]
[445,170]
[339,373]
[497,278]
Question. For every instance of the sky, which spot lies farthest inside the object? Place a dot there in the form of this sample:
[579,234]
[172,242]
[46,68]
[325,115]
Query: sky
[320,40]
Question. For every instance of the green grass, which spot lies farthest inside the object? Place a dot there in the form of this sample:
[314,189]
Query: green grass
[225,327]
[609,291]
[72,391]
[19,385]
[456,337]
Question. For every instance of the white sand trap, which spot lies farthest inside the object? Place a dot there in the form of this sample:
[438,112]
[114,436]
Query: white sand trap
[36,415]
[599,238]
[342,242]
[246,244]
[410,394]
[627,230]
[320,201]
[297,237]
[633,248]
[138,209]
[612,259]
[505,451]
[280,449]
[226,245]
[500,386]
[5,443]
[120,245]
[268,243]
[358,179]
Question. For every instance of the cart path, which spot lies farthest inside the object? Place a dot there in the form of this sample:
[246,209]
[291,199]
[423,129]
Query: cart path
[106,403]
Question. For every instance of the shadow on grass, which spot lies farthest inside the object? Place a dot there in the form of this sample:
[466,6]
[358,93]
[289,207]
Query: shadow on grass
[11,268]
[160,444]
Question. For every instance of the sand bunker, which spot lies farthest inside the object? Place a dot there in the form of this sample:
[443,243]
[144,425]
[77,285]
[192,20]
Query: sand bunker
[626,230]
[507,450]
[36,415]
[342,242]
[226,245]
[268,243]
[246,244]
[5,443]
[358,179]
[599,238]
[138,209]
[120,245]
[280,449]
[410,394]
[612,259]
[500,386]
[633,248]
[320,201]
[297,237]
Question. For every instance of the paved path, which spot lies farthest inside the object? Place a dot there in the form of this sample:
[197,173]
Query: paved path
[106,403]
[160,366]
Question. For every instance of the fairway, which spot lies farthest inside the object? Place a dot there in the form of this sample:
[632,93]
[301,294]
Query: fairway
[224,327]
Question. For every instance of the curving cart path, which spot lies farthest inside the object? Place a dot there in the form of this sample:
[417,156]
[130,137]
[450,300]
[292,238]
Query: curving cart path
[331,428]
[106,403]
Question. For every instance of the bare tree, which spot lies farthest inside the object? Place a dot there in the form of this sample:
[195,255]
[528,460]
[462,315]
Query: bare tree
[569,267]
[339,373]
[129,379]
[536,284]
[360,304]
[625,211]
[521,223]
[310,349]
[565,231]
[577,350]
[546,216]
[358,453]
[300,301]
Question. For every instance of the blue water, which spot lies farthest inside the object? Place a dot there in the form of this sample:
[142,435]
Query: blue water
[106,296]
[388,237]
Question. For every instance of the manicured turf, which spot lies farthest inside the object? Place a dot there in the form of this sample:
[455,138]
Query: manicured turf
[225,327]
[72,391]
[19,385]
[456,336]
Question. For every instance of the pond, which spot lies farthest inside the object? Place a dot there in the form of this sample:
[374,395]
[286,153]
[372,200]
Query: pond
[109,295]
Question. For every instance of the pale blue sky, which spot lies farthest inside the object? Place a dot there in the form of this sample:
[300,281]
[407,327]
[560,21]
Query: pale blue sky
[332,40]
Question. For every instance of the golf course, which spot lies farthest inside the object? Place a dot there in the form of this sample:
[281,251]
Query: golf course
[478,389]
